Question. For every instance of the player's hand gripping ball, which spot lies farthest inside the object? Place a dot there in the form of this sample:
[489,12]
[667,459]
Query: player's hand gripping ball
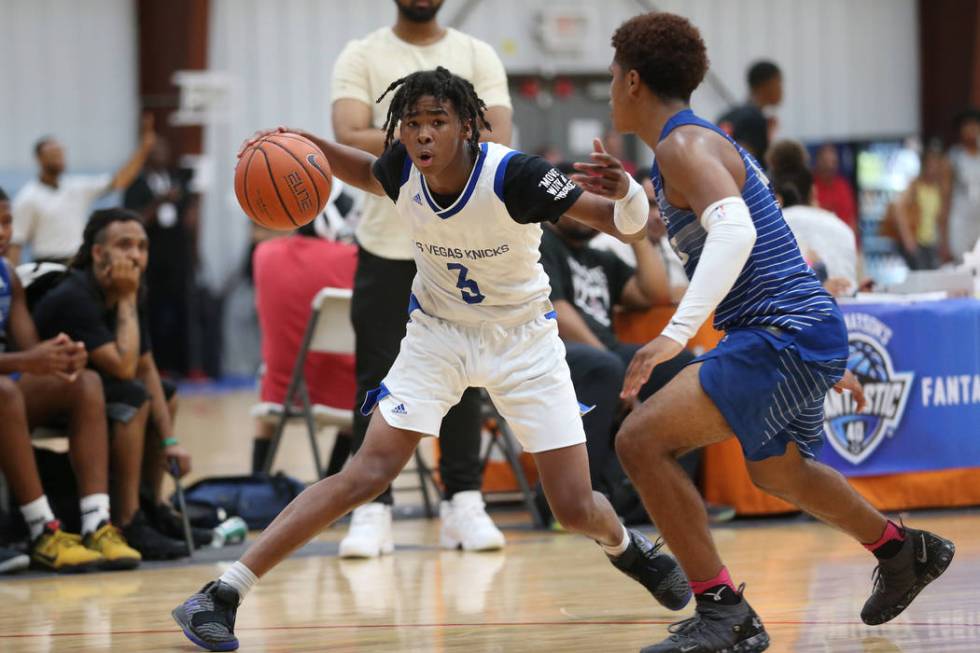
[282,180]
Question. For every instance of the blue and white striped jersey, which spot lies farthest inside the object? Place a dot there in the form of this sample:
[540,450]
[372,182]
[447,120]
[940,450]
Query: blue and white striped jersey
[776,288]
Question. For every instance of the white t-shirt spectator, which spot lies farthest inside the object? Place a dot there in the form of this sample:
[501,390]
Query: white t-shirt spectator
[52,220]
[827,237]
[363,71]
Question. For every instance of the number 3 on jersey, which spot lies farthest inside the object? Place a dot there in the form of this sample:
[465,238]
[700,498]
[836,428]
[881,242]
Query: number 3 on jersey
[470,291]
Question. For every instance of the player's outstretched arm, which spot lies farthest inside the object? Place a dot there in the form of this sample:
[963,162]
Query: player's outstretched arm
[350,164]
[612,202]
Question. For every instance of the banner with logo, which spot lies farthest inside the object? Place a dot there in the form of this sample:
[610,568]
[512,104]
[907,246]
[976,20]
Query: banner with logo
[920,367]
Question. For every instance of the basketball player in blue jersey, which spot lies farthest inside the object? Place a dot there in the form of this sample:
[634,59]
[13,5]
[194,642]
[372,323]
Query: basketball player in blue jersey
[479,316]
[785,347]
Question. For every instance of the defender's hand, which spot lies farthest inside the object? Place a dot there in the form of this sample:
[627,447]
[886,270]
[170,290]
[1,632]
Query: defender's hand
[850,383]
[656,351]
[605,176]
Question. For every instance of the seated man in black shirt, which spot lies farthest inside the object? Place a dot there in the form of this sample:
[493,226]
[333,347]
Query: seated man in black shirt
[586,286]
[100,303]
[46,384]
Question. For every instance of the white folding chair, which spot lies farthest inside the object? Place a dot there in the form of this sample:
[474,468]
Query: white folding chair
[328,331]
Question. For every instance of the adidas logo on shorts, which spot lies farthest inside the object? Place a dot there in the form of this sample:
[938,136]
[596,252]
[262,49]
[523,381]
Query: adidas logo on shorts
[399,410]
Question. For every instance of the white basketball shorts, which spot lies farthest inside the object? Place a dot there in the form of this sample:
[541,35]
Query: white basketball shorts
[523,369]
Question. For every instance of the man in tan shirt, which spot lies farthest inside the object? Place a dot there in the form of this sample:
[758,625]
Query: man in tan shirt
[385,268]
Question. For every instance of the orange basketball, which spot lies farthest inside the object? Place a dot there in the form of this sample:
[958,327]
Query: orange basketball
[282,181]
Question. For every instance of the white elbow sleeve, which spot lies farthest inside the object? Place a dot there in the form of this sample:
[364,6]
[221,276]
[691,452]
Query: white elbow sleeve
[731,236]
[631,212]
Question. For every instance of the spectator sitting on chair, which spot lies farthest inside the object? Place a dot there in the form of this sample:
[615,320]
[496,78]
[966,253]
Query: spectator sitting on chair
[587,284]
[827,243]
[656,234]
[288,273]
[42,384]
[161,195]
[101,304]
[50,211]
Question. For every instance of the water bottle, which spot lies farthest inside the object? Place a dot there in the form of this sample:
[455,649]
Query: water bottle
[230,531]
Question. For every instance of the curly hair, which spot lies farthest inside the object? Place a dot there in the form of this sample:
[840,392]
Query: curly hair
[666,50]
[95,233]
[442,85]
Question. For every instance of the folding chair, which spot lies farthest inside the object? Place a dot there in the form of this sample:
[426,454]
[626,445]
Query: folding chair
[328,331]
[501,437]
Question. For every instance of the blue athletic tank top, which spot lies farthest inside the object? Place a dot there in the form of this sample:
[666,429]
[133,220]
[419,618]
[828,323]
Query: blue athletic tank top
[776,288]
[6,298]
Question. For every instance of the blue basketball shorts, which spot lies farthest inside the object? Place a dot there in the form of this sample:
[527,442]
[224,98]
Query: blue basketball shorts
[771,389]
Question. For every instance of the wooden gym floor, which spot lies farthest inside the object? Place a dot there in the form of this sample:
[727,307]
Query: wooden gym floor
[544,592]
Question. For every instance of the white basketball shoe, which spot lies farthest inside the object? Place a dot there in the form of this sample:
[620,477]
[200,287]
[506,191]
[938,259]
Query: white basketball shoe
[466,524]
[370,532]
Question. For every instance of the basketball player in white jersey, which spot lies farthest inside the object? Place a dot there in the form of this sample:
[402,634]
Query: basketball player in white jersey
[479,316]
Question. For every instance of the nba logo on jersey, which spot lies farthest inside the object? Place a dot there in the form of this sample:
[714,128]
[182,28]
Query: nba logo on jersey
[855,436]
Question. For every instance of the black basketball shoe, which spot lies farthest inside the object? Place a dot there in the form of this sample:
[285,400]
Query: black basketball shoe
[899,579]
[208,617]
[150,542]
[723,622]
[658,572]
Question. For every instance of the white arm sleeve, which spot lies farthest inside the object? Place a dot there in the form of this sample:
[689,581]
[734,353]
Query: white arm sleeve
[731,236]
[632,210]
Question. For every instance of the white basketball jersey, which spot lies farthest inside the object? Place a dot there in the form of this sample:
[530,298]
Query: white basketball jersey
[475,263]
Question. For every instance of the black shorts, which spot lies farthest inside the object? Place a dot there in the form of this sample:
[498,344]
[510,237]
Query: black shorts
[123,398]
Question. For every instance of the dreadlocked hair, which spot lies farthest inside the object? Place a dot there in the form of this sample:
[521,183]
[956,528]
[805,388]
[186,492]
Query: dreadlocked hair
[94,234]
[442,85]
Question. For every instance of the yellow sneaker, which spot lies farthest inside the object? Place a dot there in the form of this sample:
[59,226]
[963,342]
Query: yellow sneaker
[108,541]
[62,552]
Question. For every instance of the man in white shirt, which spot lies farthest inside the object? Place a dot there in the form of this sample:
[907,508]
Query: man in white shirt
[827,242]
[50,212]
[385,268]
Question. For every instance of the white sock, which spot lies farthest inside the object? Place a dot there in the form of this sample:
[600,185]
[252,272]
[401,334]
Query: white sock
[37,513]
[241,578]
[617,549]
[95,511]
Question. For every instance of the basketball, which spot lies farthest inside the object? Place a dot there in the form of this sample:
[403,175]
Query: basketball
[282,181]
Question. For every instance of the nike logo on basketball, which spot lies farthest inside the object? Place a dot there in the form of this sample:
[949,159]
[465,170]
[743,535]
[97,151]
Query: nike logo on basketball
[399,410]
[923,555]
